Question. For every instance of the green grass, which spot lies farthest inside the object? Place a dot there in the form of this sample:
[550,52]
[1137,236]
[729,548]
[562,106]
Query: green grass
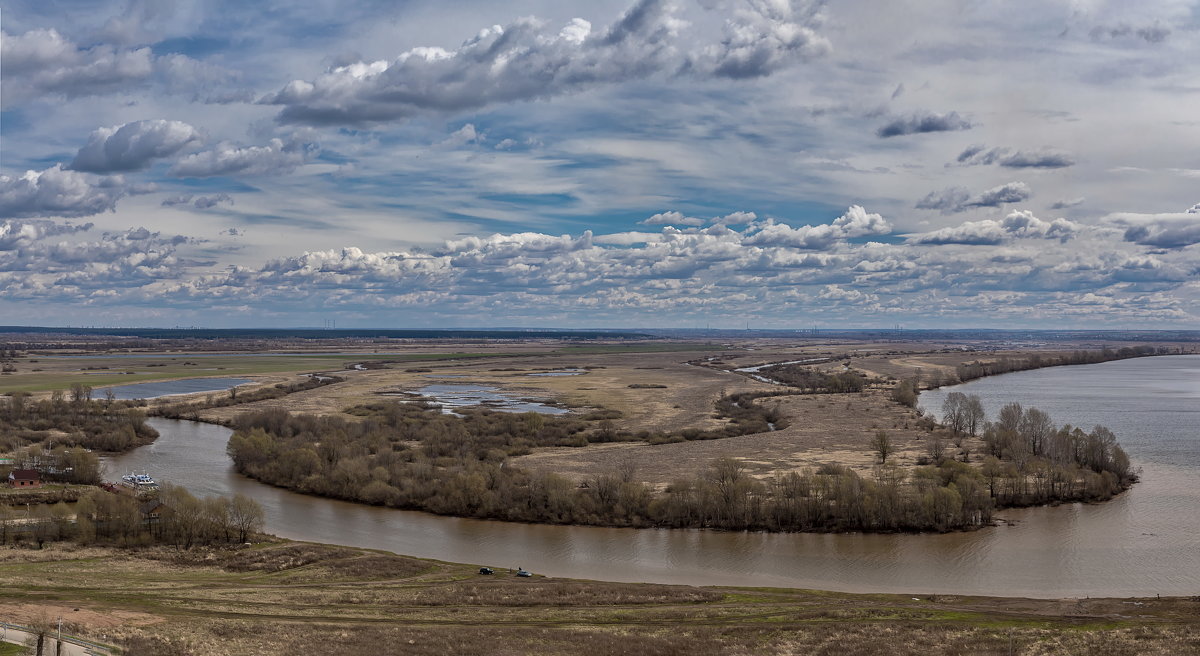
[9,649]
[63,372]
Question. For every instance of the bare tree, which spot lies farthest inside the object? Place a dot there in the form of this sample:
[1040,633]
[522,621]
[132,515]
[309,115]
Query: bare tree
[954,411]
[937,447]
[974,414]
[881,444]
[245,516]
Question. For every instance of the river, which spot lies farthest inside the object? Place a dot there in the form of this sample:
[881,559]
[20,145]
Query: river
[1145,542]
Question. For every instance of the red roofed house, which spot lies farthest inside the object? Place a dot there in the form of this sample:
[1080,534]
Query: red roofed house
[24,478]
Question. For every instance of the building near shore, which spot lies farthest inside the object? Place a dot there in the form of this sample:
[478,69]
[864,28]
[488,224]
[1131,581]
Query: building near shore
[24,478]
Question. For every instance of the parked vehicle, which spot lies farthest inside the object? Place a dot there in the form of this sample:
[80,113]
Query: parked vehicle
[486,570]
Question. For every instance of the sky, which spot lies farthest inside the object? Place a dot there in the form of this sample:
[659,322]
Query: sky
[633,163]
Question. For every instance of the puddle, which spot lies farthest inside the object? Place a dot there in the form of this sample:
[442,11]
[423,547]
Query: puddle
[452,397]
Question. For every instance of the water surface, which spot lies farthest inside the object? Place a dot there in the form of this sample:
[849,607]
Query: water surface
[171,388]
[452,396]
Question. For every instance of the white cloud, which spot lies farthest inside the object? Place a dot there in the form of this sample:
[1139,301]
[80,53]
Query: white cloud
[1017,225]
[526,60]
[133,146]
[43,63]
[277,157]
[58,192]
[856,222]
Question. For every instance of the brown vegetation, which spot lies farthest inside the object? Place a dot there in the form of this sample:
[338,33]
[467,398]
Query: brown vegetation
[76,421]
[203,602]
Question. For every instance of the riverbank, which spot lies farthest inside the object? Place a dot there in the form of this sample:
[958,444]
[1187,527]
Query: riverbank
[286,597]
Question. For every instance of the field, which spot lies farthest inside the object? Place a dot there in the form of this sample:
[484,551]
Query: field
[299,598]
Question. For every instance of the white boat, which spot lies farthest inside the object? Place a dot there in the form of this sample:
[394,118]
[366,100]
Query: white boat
[139,481]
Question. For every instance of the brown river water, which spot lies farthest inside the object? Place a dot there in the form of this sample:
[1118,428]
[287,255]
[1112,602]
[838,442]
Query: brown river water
[1145,542]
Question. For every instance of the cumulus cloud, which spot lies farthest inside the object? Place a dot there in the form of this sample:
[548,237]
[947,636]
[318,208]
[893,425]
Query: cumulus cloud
[1017,225]
[1044,158]
[18,234]
[133,146]
[709,271]
[58,192]
[765,37]
[528,60]
[275,158]
[958,199]
[856,222]
[1170,231]
[43,62]
[923,122]
[674,218]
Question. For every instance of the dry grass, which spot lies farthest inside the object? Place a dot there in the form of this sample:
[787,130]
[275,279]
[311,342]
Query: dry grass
[210,603]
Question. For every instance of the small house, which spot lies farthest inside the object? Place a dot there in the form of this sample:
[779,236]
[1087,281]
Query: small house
[152,511]
[24,478]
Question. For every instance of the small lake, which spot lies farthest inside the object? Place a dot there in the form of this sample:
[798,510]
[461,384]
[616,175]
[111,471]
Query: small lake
[170,388]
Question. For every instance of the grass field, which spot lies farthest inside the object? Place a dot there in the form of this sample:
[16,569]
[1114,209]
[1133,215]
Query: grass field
[63,372]
[313,599]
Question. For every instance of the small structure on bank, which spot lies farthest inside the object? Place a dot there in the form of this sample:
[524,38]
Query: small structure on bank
[24,478]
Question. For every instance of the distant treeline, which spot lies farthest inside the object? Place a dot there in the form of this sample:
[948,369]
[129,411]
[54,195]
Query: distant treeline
[175,517]
[815,381]
[190,410]
[76,420]
[1007,364]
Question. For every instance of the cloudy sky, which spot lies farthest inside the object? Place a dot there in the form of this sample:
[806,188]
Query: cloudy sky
[782,163]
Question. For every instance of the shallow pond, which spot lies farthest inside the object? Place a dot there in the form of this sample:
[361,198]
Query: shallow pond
[170,388]
[454,396]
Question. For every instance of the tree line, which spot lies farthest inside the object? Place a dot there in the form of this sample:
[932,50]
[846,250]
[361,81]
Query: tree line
[815,381]
[109,518]
[102,425]
[1006,364]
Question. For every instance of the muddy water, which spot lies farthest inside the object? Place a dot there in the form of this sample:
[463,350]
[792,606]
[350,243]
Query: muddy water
[1145,542]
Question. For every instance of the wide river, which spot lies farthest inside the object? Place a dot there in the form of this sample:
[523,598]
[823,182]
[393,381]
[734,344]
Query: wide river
[1145,542]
